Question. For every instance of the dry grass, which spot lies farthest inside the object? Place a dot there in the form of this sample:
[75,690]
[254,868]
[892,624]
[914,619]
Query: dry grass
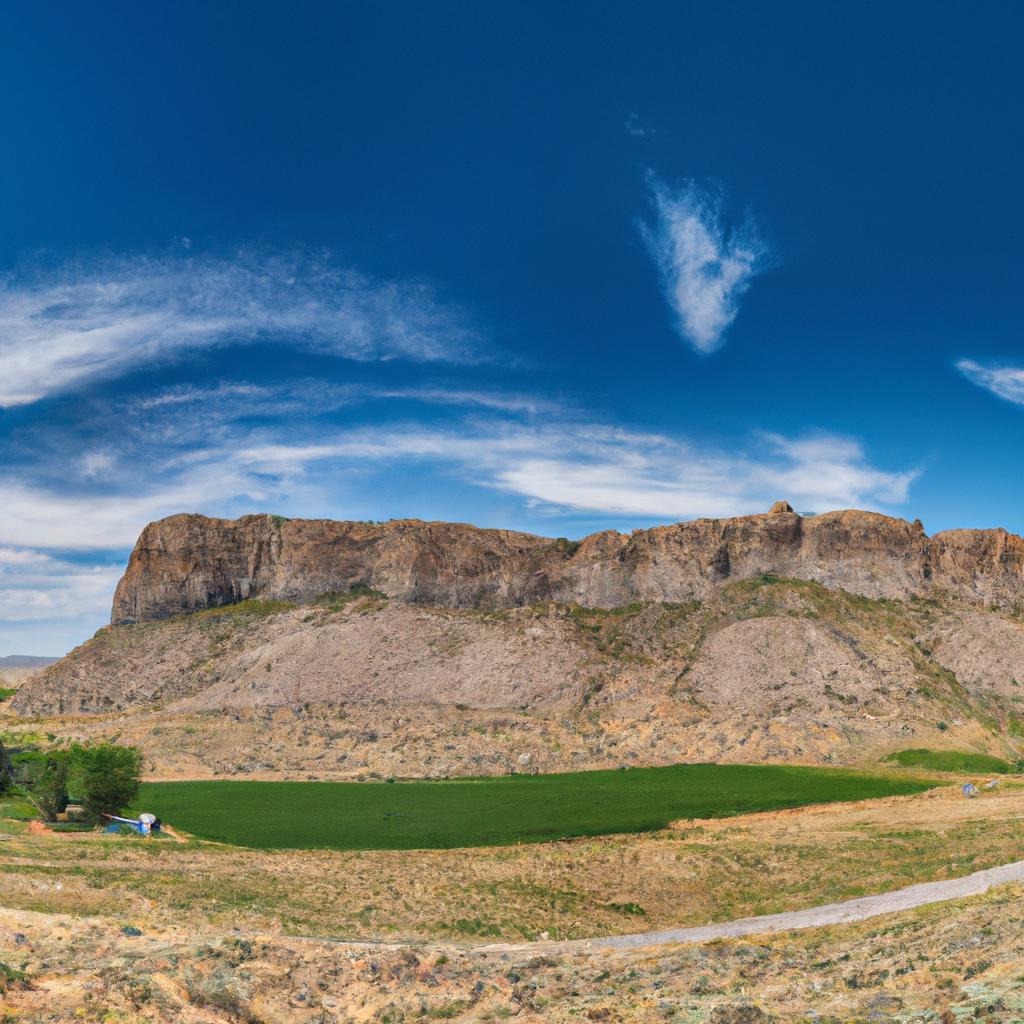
[714,870]
[214,921]
[950,962]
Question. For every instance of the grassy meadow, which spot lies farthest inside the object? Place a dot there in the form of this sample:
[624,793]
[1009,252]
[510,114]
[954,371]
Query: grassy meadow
[959,761]
[495,811]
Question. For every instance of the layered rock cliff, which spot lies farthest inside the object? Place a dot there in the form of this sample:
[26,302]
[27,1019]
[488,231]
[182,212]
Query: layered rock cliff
[190,562]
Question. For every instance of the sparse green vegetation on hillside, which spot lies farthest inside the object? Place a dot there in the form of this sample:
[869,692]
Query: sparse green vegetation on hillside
[949,761]
[834,674]
[336,602]
[255,607]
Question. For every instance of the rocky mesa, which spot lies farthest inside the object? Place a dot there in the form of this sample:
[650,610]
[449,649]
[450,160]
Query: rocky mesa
[189,562]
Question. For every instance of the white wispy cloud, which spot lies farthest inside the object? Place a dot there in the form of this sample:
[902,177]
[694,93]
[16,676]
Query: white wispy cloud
[501,401]
[215,394]
[47,603]
[95,465]
[37,587]
[221,401]
[638,128]
[1004,381]
[826,471]
[586,467]
[61,327]
[46,518]
[229,448]
[555,467]
[706,264]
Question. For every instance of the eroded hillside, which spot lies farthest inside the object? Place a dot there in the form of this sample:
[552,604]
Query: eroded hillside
[358,684]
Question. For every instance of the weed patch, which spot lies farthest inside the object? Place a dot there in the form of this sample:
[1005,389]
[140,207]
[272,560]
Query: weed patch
[949,761]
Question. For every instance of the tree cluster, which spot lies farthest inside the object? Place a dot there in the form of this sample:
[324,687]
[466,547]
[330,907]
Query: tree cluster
[103,777]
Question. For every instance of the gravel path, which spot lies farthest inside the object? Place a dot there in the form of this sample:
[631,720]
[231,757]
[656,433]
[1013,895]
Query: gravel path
[816,917]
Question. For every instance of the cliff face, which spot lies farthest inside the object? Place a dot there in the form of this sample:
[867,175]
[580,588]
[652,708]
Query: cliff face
[189,562]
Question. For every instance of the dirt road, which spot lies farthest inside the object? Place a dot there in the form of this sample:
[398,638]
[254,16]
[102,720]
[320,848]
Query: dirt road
[816,917]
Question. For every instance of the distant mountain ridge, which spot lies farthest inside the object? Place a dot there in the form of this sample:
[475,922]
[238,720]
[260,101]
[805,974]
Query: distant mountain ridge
[25,661]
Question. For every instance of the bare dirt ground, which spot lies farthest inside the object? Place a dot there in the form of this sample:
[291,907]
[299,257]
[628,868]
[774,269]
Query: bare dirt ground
[947,962]
[222,929]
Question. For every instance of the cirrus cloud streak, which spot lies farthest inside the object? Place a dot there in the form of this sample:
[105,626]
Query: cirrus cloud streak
[1006,382]
[100,318]
[63,537]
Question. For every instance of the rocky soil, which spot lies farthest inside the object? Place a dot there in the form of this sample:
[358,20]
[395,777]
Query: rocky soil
[950,964]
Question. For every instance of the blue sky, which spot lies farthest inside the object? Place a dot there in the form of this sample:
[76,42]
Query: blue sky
[554,267]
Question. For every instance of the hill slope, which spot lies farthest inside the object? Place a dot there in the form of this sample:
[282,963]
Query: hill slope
[760,669]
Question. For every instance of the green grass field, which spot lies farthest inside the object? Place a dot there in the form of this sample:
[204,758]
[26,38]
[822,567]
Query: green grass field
[949,761]
[494,811]
[16,807]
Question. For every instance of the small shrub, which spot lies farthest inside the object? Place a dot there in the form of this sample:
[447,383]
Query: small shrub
[450,1010]
[702,986]
[336,601]
[253,607]
[11,979]
[634,909]
[222,989]
[973,970]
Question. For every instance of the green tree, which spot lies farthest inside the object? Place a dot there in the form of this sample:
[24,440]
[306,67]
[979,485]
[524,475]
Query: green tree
[46,784]
[5,769]
[106,778]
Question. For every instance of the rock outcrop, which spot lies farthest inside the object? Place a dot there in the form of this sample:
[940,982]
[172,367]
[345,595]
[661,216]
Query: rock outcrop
[189,562]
